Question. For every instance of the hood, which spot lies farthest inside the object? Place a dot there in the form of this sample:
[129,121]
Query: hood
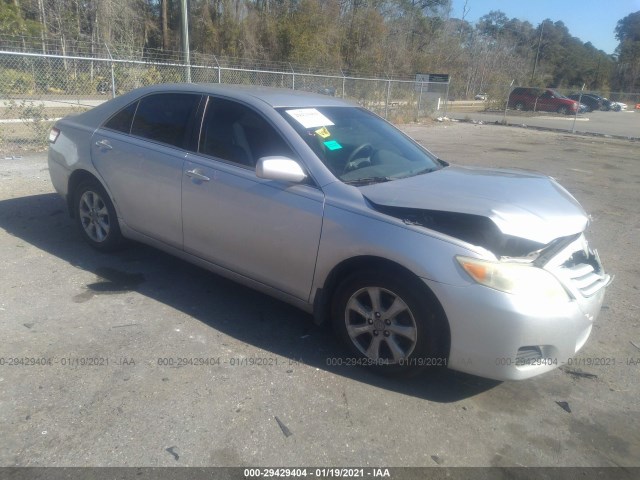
[521,204]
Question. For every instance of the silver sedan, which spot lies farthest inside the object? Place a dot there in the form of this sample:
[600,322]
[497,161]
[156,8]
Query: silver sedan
[320,203]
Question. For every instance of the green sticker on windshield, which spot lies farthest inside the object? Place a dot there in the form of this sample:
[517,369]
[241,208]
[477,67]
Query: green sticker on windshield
[332,145]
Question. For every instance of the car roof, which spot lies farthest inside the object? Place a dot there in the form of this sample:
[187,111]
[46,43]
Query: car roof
[275,97]
[259,97]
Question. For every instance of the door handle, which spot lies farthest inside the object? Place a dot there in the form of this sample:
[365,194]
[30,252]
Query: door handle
[196,174]
[104,144]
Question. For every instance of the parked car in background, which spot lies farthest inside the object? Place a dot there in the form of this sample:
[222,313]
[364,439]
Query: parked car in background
[605,104]
[331,91]
[543,100]
[481,96]
[618,106]
[591,102]
[325,205]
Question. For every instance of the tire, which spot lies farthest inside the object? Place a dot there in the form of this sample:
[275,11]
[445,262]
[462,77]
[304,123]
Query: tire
[520,107]
[414,336]
[96,217]
[562,110]
[616,108]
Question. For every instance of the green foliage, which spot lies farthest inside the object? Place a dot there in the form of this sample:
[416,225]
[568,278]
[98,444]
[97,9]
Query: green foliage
[34,118]
[16,82]
[628,71]
[396,38]
[628,28]
[11,21]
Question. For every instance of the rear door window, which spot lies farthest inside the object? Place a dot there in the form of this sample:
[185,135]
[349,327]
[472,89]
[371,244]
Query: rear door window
[166,118]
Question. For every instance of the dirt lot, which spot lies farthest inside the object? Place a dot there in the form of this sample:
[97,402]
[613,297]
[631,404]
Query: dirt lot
[60,300]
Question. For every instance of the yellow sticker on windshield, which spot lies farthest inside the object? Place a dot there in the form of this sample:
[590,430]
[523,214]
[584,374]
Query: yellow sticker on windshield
[323,132]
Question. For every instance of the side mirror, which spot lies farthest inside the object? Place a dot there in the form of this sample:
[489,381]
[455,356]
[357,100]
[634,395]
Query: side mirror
[280,168]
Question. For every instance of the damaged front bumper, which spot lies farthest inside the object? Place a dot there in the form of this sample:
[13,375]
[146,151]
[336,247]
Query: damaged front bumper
[512,337]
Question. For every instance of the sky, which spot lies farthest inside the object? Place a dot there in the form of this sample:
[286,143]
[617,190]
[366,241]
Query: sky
[590,20]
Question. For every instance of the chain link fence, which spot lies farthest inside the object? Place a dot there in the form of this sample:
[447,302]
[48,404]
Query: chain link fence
[36,89]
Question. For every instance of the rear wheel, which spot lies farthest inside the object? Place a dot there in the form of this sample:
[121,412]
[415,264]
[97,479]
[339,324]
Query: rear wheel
[96,216]
[389,322]
[519,106]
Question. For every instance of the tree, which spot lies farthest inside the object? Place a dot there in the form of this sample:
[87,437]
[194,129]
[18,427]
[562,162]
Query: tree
[11,21]
[628,51]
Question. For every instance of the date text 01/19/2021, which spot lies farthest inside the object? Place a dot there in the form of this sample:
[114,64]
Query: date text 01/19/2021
[316,472]
[264,361]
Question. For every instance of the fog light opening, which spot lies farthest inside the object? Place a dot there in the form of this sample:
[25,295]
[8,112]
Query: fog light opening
[529,353]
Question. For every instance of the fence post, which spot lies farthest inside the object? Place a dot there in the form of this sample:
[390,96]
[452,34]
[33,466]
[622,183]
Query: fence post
[419,101]
[575,117]
[386,105]
[293,77]
[344,79]
[506,105]
[446,99]
[218,66]
[113,76]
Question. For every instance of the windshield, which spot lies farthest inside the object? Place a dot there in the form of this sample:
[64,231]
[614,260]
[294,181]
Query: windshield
[357,146]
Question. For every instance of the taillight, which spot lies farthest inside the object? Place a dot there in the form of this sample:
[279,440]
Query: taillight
[53,134]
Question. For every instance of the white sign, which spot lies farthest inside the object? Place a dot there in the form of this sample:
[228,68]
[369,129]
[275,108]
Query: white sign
[309,117]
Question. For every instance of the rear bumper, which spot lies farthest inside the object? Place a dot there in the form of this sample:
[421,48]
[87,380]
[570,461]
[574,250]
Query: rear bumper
[59,173]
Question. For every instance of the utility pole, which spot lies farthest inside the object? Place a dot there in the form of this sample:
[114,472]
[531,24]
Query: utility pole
[535,64]
[185,41]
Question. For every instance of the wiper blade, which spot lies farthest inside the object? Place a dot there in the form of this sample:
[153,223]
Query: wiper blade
[420,172]
[367,180]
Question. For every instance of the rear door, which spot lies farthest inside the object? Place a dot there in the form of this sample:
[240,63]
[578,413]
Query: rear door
[266,230]
[140,152]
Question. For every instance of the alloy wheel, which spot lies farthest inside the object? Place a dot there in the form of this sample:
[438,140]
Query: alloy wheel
[381,325]
[94,216]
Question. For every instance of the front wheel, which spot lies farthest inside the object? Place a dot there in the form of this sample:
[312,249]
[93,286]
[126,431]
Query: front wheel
[562,110]
[389,322]
[96,216]
[520,106]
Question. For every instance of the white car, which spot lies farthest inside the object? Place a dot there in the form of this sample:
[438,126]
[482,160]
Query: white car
[320,203]
[623,106]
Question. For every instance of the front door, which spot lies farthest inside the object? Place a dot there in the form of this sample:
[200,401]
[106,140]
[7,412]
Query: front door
[266,230]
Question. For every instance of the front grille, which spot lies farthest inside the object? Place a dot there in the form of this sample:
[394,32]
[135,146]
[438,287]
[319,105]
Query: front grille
[576,266]
[586,280]
[584,272]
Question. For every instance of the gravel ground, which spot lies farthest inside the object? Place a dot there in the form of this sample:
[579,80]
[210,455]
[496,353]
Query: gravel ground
[61,300]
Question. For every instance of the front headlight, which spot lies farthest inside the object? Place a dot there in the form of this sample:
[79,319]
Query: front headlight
[514,278]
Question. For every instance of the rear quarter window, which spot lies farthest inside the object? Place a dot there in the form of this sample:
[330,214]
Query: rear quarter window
[121,121]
